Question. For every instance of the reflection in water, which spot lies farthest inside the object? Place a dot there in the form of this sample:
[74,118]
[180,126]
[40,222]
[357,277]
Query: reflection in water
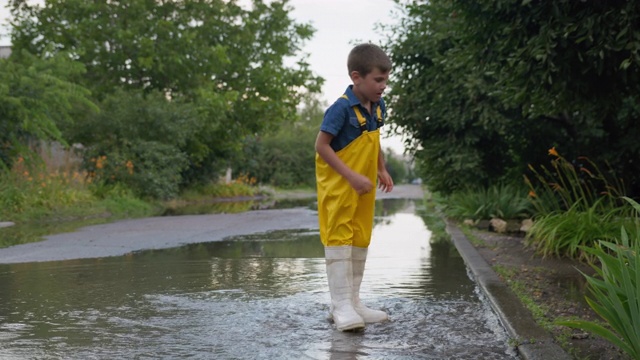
[256,297]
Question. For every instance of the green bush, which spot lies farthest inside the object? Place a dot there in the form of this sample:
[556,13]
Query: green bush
[137,140]
[567,233]
[505,201]
[576,184]
[396,167]
[615,292]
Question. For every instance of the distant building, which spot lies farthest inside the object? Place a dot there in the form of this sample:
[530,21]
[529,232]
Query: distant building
[5,51]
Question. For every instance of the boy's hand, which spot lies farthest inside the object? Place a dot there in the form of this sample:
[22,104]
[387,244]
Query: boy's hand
[360,183]
[385,182]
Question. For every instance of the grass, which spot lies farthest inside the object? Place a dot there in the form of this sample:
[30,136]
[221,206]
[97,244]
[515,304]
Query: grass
[520,289]
[474,240]
[42,202]
[540,312]
[565,234]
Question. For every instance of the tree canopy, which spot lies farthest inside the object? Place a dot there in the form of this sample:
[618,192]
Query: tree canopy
[487,88]
[239,69]
[35,96]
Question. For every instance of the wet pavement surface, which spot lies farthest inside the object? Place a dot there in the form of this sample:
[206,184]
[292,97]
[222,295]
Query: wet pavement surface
[259,295]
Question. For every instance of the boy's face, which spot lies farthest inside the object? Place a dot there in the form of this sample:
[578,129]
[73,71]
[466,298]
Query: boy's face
[370,87]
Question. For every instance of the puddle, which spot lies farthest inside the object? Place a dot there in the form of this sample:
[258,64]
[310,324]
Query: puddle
[262,296]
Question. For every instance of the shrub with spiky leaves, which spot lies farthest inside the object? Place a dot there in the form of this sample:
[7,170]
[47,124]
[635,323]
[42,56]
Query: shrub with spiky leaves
[615,291]
[505,201]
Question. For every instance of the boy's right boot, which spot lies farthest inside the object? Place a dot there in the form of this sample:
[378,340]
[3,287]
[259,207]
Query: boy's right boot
[340,276]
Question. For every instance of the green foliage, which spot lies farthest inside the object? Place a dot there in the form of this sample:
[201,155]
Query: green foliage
[203,192]
[505,201]
[581,185]
[42,203]
[28,190]
[288,157]
[444,100]
[567,233]
[615,292]
[35,96]
[577,205]
[227,61]
[485,88]
[396,167]
[284,158]
[138,141]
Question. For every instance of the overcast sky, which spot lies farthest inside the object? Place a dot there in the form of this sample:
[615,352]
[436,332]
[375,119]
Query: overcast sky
[339,25]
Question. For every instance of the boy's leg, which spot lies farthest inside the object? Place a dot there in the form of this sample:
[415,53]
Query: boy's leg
[362,229]
[340,276]
[359,259]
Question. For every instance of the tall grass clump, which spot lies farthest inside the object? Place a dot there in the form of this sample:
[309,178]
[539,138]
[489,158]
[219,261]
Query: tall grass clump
[243,185]
[28,191]
[615,290]
[505,201]
[576,205]
[579,184]
[566,233]
[42,202]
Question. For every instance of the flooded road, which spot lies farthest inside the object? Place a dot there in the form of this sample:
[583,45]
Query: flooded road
[258,296]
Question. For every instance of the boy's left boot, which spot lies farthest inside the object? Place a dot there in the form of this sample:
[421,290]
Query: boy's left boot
[358,259]
[340,277]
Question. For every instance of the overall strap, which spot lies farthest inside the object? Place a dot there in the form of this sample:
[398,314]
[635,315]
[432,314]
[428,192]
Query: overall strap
[361,119]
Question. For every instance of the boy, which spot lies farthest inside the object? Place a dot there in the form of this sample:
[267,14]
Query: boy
[348,161]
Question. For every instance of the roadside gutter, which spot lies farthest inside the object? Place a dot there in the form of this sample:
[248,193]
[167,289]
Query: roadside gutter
[533,342]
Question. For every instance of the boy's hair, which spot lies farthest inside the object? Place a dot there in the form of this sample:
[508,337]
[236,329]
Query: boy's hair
[364,58]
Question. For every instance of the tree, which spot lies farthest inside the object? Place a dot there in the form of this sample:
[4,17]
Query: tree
[227,60]
[488,88]
[137,141]
[286,157]
[396,166]
[34,97]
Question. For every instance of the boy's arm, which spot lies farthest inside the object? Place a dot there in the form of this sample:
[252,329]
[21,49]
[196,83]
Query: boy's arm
[360,183]
[385,182]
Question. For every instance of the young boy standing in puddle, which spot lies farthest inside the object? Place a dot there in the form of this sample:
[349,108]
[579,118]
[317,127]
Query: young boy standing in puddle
[348,163]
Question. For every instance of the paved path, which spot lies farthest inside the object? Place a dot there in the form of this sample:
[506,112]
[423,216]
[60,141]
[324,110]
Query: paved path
[122,237]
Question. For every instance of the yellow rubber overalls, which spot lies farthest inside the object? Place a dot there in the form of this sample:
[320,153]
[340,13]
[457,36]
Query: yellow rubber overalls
[346,218]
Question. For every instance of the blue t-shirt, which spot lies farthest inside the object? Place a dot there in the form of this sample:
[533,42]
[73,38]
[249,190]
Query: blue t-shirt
[340,119]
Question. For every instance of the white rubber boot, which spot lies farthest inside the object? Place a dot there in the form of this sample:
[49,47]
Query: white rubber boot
[340,276]
[359,258]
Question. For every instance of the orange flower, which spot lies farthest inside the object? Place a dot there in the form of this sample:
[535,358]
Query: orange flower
[129,166]
[553,152]
[532,193]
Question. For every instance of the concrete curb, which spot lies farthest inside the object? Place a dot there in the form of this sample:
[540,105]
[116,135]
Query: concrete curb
[534,343]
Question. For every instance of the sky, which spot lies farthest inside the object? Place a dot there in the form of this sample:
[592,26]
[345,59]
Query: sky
[339,25]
